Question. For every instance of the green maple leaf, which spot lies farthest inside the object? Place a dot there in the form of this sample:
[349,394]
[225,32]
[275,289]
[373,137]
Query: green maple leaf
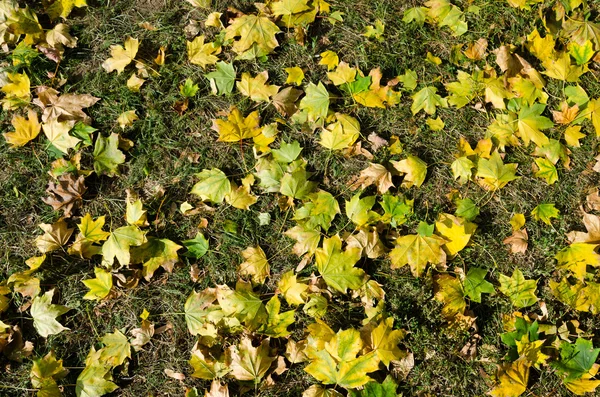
[213,185]
[474,284]
[116,349]
[44,315]
[359,210]
[576,359]
[222,80]
[287,152]
[337,364]
[276,323]
[197,247]
[337,266]
[243,304]
[466,208]
[296,184]
[316,101]
[198,309]
[530,123]
[427,99]
[494,173]
[545,212]
[546,171]
[100,286]
[155,253]
[107,156]
[520,291]
[118,243]
[373,389]
[396,209]
[319,212]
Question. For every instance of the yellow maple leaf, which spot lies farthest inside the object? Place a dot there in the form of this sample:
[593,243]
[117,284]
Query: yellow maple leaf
[417,250]
[121,57]
[513,378]
[201,53]
[343,74]
[329,59]
[415,170]
[256,87]
[295,75]
[255,264]
[456,230]
[236,127]
[25,129]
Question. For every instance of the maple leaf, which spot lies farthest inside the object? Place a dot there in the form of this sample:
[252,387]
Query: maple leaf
[592,225]
[375,174]
[155,253]
[116,349]
[520,291]
[513,378]
[44,315]
[383,339]
[26,129]
[296,184]
[255,264]
[474,284]
[337,266]
[206,366]
[530,124]
[222,79]
[545,212]
[337,364]
[292,290]
[276,323]
[256,87]
[414,169]
[428,100]
[134,212]
[285,100]
[295,75]
[307,240]
[127,118]
[95,380]
[316,101]
[256,36]
[107,156]
[121,56]
[198,308]
[90,232]
[396,209]
[249,362]
[55,236]
[417,250]
[450,292]
[65,194]
[341,134]
[64,107]
[576,257]
[329,59]
[134,83]
[494,173]
[118,243]
[202,54]
[243,304]
[457,231]
[62,8]
[319,212]
[197,247]
[17,90]
[584,384]
[517,241]
[546,170]
[99,286]
[576,359]
[236,127]
[213,185]
[58,135]
[45,371]
[368,242]
[359,210]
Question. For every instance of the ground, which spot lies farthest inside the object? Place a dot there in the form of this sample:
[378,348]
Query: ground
[171,148]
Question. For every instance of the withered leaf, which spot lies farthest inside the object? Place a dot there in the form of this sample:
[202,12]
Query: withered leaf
[65,194]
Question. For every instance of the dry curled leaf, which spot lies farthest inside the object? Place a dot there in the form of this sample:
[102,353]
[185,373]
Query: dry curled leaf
[66,194]
[64,107]
[517,241]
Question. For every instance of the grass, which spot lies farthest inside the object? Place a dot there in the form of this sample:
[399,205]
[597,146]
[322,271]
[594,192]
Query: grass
[170,148]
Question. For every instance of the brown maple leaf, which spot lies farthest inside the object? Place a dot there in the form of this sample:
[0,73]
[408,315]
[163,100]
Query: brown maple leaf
[65,194]
[64,107]
[375,174]
[285,100]
[517,241]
